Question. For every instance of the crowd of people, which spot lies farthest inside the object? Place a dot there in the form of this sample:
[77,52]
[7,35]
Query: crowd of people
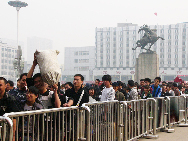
[32,93]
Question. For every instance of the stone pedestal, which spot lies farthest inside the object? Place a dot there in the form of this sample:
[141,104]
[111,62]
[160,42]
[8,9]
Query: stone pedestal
[147,66]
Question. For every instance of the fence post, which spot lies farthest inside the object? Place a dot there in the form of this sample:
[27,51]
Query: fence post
[10,123]
[185,112]
[167,116]
[153,104]
[87,111]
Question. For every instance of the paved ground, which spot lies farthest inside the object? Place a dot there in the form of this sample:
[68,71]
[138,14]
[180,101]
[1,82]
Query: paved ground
[180,134]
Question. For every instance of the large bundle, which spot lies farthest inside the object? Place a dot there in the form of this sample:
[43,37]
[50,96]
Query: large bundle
[49,67]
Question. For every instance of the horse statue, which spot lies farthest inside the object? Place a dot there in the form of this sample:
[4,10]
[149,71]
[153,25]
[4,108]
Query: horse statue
[150,37]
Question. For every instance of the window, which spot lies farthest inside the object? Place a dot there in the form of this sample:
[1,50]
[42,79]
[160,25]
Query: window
[2,49]
[83,52]
[114,32]
[83,60]
[169,55]
[75,60]
[176,37]
[76,53]
[169,37]
[183,49]
[162,50]
[176,42]
[169,31]
[84,68]
[176,56]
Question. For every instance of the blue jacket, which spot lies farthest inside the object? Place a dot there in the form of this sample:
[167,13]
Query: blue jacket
[157,92]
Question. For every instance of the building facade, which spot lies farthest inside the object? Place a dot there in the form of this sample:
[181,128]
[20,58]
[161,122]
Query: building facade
[7,56]
[78,60]
[114,54]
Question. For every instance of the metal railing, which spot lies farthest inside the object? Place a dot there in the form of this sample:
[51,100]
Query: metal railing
[99,121]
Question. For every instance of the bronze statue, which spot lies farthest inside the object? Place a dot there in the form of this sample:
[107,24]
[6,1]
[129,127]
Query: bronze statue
[150,37]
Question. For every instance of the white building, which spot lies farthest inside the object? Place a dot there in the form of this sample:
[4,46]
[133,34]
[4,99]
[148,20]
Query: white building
[114,54]
[78,60]
[7,56]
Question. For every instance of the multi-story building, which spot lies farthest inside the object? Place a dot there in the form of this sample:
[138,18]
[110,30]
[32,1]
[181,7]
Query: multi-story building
[78,60]
[7,57]
[114,54]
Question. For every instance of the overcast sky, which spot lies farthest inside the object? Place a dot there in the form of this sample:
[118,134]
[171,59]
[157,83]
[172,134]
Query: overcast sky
[72,23]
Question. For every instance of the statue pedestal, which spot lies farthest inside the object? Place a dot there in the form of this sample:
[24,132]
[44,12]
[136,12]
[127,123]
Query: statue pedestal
[147,66]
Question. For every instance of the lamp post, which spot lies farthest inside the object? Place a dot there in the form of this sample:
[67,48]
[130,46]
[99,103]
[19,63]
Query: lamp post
[18,61]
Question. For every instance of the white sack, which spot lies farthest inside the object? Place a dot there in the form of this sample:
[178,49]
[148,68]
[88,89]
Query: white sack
[49,66]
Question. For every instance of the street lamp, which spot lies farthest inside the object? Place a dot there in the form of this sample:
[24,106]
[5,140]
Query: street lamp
[18,4]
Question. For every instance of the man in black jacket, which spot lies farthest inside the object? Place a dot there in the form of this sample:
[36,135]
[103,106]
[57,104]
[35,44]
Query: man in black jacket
[78,94]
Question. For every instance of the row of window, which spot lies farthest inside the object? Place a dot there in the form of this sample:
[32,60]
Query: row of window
[81,53]
[85,68]
[7,55]
[134,32]
[7,67]
[81,60]
[174,62]
[8,50]
[6,61]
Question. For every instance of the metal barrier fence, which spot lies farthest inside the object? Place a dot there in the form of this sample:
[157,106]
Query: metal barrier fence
[5,123]
[104,120]
[50,124]
[100,121]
